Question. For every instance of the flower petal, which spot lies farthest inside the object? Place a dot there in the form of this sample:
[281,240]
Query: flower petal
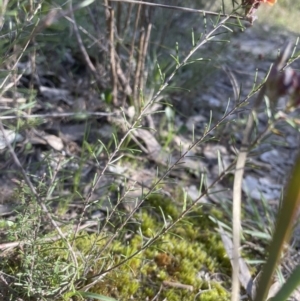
[270,2]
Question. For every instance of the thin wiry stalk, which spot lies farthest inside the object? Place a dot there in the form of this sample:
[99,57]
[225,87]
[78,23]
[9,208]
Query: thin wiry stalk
[110,18]
[166,228]
[159,181]
[143,57]
[112,56]
[186,9]
[53,178]
[135,124]
[132,46]
[82,48]
[127,19]
[165,30]
[143,46]
[33,74]
[118,24]
[138,70]
[3,11]
[203,41]
[4,87]
[99,176]
[108,218]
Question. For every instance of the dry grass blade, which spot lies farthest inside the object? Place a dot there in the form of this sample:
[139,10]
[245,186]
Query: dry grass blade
[244,272]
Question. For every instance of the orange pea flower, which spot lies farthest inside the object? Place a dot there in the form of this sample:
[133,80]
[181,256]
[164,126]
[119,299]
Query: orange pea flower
[270,2]
[251,6]
[257,2]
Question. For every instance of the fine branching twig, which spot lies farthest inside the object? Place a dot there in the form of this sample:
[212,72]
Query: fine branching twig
[205,192]
[113,156]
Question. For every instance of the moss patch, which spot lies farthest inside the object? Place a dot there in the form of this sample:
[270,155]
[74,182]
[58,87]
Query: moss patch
[181,265]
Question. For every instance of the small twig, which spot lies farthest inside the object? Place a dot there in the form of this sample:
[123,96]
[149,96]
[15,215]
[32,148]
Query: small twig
[107,220]
[54,176]
[157,294]
[3,11]
[8,288]
[178,285]
[118,25]
[138,70]
[82,48]
[127,18]
[114,77]
[131,52]
[143,57]
[2,88]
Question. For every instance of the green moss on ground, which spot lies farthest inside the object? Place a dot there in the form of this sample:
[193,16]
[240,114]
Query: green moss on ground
[191,254]
[181,265]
